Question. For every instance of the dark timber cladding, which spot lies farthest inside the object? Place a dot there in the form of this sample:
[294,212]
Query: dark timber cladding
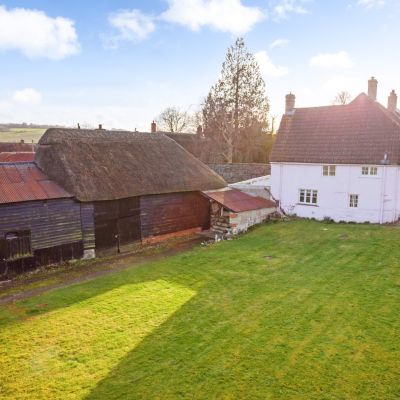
[118,217]
[163,214]
[139,185]
[40,223]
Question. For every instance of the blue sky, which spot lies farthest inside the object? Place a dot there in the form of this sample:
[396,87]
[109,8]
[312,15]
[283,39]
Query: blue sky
[120,62]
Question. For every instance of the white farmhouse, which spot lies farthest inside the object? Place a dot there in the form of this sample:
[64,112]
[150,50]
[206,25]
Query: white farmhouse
[341,162]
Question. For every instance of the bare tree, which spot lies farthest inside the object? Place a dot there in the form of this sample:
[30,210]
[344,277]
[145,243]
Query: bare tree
[172,119]
[342,98]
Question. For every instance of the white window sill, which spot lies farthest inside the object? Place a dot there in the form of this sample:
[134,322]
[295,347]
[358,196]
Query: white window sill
[307,204]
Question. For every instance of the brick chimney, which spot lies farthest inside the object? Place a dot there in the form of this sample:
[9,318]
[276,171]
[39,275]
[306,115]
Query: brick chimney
[290,104]
[153,128]
[373,88]
[392,101]
[199,130]
[100,127]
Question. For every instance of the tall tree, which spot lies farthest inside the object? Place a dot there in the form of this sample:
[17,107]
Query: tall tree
[172,119]
[236,108]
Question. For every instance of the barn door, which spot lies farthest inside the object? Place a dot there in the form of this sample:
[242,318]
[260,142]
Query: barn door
[129,229]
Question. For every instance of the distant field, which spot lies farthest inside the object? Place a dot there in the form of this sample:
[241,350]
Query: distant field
[17,134]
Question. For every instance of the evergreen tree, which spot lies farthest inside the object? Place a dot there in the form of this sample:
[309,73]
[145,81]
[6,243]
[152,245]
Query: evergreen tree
[235,112]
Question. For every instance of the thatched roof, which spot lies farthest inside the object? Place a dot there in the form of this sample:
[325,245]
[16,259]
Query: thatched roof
[107,165]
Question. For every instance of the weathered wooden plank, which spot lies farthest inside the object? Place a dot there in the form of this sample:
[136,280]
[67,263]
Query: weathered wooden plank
[51,223]
[173,212]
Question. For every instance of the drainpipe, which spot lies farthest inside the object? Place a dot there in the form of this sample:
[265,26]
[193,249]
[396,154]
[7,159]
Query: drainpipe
[396,188]
[383,189]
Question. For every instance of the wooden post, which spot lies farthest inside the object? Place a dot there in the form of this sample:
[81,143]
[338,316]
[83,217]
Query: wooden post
[118,243]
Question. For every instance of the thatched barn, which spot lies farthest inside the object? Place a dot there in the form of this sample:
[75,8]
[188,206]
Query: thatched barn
[40,222]
[140,186]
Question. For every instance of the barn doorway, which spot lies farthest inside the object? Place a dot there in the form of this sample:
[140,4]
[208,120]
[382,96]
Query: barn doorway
[117,220]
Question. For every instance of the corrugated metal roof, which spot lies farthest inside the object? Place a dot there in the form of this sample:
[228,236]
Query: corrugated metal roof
[17,157]
[238,201]
[25,182]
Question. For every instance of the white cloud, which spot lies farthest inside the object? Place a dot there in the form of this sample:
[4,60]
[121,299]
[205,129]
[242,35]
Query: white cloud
[132,25]
[338,83]
[371,3]
[283,8]
[35,34]
[332,60]
[267,67]
[28,96]
[222,15]
[279,43]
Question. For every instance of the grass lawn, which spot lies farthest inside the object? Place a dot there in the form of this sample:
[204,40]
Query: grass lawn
[297,310]
[27,134]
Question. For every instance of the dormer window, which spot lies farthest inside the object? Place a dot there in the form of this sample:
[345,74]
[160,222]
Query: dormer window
[329,170]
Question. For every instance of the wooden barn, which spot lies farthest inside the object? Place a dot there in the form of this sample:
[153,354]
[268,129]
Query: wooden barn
[40,222]
[139,186]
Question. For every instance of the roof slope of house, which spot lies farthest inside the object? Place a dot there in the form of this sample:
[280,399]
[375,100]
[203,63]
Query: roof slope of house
[108,165]
[25,182]
[22,156]
[16,147]
[361,132]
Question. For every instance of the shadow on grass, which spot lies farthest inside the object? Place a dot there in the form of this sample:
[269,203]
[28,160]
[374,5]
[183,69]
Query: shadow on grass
[274,316]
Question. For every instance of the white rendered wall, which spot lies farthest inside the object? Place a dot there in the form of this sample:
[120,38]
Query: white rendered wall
[378,202]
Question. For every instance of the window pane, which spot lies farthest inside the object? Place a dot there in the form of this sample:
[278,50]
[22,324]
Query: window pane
[326,170]
[308,196]
[332,170]
[315,197]
[364,170]
[301,195]
[353,200]
[374,171]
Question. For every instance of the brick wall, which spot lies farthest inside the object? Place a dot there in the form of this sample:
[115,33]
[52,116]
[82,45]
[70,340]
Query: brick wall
[240,172]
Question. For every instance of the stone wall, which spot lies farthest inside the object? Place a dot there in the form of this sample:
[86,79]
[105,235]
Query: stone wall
[236,172]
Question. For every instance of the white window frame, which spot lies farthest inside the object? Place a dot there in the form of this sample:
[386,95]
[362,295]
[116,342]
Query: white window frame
[369,171]
[353,200]
[329,170]
[373,171]
[308,196]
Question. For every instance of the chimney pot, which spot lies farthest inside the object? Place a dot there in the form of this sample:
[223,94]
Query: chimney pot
[392,101]
[100,126]
[373,88]
[290,103]
[153,127]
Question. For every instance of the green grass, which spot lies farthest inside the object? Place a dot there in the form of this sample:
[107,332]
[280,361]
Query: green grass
[16,134]
[298,310]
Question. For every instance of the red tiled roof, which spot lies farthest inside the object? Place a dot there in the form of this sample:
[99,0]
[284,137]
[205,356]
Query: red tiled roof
[17,157]
[357,133]
[238,201]
[16,147]
[26,182]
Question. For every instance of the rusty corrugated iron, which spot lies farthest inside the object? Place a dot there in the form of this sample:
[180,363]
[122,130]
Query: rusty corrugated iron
[238,201]
[25,182]
[17,157]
